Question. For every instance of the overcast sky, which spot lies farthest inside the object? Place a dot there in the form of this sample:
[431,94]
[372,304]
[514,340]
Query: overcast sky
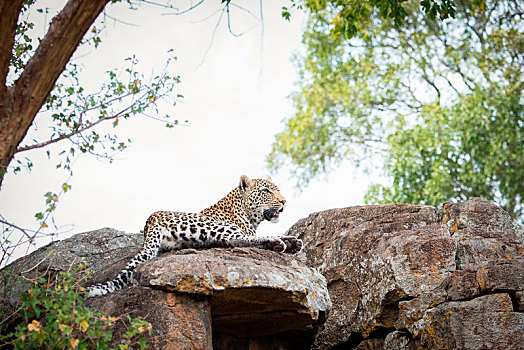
[235,101]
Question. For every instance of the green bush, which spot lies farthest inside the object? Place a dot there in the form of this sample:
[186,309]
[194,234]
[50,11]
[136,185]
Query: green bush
[52,316]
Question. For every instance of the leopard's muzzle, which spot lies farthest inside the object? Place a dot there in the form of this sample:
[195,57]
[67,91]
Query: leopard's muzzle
[273,214]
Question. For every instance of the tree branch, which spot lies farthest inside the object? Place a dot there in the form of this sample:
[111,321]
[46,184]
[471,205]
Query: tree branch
[18,228]
[76,131]
[8,21]
[55,50]
[25,98]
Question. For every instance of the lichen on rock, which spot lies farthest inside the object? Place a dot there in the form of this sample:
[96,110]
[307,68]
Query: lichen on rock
[404,268]
[369,277]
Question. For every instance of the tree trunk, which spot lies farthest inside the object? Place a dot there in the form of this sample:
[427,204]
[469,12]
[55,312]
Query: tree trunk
[20,102]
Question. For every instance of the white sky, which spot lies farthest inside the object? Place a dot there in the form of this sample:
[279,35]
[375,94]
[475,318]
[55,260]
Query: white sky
[236,102]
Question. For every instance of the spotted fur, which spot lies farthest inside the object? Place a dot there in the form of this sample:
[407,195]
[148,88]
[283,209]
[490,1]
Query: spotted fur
[232,222]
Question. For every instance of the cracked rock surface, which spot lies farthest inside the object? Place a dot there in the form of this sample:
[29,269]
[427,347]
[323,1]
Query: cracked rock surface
[222,299]
[100,249]
[240,298]
[370,277]
[406,276]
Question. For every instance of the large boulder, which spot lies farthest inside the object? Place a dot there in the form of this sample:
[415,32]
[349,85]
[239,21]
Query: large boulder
[205,299]
[398,277]
[396,273]
[231,298]
[99,249]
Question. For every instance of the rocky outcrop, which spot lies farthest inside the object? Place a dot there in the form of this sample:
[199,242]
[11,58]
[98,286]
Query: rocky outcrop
[240,298]
[404,276]
[370,277]
[228,298]
[99,249]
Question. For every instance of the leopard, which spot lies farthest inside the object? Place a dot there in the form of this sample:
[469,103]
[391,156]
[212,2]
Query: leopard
[231,222]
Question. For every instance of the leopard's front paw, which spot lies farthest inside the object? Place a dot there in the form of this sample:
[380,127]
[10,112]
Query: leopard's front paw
[275,244]
[293,244]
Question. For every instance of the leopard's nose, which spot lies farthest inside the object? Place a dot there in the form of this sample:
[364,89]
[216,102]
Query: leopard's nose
[283,201]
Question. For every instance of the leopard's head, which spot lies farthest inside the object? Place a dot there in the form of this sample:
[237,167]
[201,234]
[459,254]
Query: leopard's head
[262,198]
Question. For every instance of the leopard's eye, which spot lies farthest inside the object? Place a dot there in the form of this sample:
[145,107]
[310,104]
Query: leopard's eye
[265,190]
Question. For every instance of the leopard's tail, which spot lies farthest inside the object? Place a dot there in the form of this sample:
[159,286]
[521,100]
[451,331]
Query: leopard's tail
[149,251]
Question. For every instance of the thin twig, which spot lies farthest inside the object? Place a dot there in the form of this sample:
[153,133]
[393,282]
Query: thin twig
[212,38]
[120,21]
[261,38]
[77,131]
[18,228]
[41,261]
[185,11]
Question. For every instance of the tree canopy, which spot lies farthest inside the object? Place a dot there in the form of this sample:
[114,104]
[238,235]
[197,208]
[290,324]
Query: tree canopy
[440,102]
[350,16]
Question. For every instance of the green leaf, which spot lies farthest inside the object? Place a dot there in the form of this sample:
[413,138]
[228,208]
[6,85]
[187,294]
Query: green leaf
[441,107]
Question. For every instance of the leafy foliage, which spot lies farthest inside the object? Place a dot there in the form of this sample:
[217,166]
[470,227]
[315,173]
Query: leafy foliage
[76,113]
[440,102]
[351,16]
[52,316]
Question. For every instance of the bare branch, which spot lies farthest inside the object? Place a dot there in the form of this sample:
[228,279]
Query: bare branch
[18,228]
[432,84]
[212,37]
[261,36]
[207,17]
[184,11]
[451,84]
[38,263]
[229,23]
[120,21]
[248,12]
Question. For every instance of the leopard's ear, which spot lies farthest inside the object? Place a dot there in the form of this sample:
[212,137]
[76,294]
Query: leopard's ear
[245,183]
[269,180]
